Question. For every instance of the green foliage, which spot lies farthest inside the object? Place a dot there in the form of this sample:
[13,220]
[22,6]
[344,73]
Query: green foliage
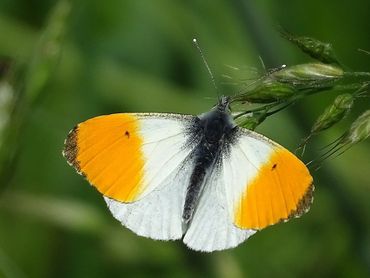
[65,61]
[283,86]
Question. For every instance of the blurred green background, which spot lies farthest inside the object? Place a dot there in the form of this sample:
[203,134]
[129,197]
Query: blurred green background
[63,62]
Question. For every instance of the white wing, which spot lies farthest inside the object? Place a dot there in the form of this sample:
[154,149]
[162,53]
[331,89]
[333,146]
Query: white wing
[228,213]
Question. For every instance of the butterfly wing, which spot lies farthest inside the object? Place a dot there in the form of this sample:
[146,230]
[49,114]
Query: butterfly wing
[211,227]
[159,214]
[255,183]
[279,188]
[140,163]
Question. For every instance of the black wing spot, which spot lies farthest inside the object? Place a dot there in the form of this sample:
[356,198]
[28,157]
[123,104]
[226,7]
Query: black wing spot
[274,167]
[127,134]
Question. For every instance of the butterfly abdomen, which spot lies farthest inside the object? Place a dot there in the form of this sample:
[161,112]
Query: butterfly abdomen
[204,158]
[213,128]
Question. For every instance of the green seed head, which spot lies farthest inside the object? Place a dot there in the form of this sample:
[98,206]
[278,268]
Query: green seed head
[316,49]
[288,81]
[359,130]
[333,113]
[6,105]
[311,75]
[267,91]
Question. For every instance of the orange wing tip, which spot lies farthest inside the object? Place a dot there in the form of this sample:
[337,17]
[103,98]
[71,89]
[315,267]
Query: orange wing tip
[107,151]
[71,149]
[304,204]
[282,190]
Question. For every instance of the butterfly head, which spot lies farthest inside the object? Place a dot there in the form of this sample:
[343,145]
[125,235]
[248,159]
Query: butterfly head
[223,105]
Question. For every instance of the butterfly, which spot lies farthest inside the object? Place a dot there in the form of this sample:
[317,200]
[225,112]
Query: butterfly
[200,178]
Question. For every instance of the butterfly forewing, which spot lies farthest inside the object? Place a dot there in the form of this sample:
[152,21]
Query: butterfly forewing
[278,189]
[126,156]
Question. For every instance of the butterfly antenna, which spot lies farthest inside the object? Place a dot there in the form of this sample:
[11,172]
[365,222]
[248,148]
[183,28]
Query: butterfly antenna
[207,66]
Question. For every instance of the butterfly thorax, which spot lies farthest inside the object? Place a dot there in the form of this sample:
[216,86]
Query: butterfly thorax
[214,130]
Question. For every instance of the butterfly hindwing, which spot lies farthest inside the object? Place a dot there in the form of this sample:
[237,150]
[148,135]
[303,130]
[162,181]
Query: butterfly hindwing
[212,227]
[159,214]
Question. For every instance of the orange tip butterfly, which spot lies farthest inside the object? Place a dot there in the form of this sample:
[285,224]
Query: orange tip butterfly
[201,178]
